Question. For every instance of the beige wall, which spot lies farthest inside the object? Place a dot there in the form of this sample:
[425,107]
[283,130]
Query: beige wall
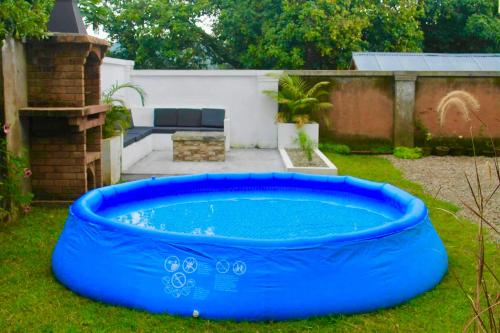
[432,90]
[362,108]
[364,104]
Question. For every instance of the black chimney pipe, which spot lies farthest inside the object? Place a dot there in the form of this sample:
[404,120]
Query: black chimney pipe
[66,17]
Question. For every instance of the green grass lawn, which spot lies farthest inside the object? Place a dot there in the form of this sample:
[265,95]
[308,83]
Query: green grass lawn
[32,300]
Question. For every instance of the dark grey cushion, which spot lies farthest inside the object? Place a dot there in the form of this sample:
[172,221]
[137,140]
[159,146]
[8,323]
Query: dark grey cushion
[212,118]
[165,117]
[170,130]
[135,134]
[166,130]
[188,118]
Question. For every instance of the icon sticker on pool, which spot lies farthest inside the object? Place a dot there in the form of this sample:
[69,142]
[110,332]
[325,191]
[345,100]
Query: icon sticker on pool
[189,265]
[181,282]
[222,266]
[172,264]
[178,284]
[239,267]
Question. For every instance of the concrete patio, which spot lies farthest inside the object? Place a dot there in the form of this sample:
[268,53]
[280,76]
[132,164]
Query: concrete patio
[160,163]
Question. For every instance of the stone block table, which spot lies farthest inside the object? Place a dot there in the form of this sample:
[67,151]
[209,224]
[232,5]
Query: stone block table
[199,146]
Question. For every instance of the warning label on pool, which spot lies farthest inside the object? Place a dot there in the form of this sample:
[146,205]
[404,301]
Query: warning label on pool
[183,273]
[180,282]
[228,274]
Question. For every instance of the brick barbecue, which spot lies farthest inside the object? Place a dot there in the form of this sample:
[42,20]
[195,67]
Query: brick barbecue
[65,115]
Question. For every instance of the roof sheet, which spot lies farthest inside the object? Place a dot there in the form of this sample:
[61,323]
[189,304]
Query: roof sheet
[394,61]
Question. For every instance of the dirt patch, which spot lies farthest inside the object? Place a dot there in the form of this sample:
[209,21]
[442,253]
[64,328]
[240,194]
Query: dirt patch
[444,177]
[299,159]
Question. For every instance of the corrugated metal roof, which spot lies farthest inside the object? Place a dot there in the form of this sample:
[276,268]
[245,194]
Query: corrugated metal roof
[395,61]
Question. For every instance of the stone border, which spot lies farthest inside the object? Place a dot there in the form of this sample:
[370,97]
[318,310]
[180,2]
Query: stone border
[331,169]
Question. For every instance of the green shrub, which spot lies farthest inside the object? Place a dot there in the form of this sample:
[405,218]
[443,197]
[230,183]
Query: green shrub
[118,118]
[408,153]
[306,144]
[13,168]
[335,148]
[382,150]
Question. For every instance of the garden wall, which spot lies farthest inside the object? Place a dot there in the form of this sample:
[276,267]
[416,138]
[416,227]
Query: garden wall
[369,107]
[384,107]
[455,94]
[116,71]
[252,114]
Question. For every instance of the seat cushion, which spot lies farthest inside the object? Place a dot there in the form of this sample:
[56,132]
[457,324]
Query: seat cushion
[172,129]
[128,139]
[189,118]
[212,118]
[165,129]
[165,117]
[135,134]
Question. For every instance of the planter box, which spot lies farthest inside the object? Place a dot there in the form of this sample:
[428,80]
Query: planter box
[329,169]
[287,134]
[112,159]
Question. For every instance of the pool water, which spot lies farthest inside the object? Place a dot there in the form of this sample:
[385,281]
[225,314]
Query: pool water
[276,214]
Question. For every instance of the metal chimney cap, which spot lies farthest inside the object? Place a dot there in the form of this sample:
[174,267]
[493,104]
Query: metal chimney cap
[66,17]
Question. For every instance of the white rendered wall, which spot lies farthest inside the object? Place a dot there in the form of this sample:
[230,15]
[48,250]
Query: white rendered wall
[252,114]
[116,71]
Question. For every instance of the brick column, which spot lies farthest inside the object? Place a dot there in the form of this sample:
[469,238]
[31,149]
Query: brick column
[94,145]
[404,107]
[58,160]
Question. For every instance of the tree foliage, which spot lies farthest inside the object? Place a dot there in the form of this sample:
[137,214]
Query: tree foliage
[461,26]
[155,33]
[24,18]
[318,34]
[288,34]
[395,26]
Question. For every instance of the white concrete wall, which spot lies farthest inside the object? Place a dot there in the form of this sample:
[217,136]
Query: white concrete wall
[116,71]
[252,114]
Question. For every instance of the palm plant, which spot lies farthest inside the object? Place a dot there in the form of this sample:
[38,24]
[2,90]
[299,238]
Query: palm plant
[300,100]
[118,118]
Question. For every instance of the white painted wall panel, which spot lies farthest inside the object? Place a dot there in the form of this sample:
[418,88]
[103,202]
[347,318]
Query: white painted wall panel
[252,114]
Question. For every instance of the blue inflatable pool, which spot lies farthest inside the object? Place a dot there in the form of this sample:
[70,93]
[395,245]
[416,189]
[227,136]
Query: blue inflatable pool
[250,246]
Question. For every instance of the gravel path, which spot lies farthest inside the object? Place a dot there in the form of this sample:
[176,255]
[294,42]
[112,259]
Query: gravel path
[445,177]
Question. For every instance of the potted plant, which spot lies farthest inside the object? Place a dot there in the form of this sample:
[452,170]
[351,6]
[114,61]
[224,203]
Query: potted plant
[299,102]
[118,119]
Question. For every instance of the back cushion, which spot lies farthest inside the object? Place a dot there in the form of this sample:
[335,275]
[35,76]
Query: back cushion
[189,118]
[212,118]
[165,117]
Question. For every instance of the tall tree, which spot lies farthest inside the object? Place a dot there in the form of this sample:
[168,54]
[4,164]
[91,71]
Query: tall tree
[395,26]
[315,34]
[461,26]
[24,18]
[291,34]
[155,33]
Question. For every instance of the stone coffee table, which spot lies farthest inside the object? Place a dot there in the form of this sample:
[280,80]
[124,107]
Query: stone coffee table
[199,146]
